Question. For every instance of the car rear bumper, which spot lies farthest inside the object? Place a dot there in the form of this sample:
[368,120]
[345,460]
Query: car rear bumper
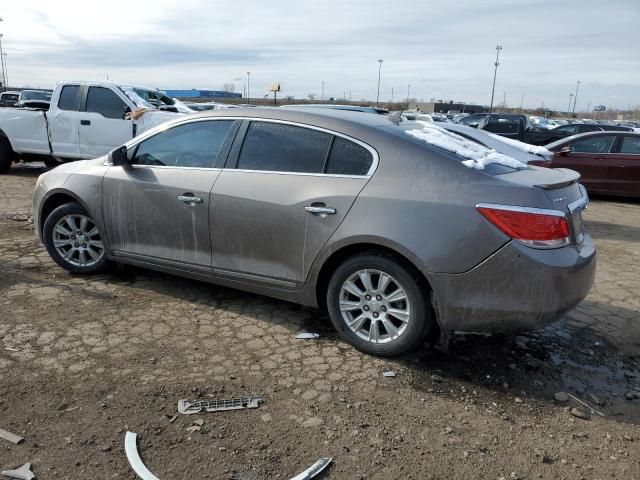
[517,288]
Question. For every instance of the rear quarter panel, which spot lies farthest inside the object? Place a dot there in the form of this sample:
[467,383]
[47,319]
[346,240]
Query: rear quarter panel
[25,129]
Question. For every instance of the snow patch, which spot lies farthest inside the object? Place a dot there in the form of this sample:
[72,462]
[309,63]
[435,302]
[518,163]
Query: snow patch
[525,147]
[478,156]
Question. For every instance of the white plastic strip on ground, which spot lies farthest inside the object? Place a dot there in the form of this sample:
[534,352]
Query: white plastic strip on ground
[131,449]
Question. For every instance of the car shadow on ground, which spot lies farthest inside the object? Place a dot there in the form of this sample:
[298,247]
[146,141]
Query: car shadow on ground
[613,231]
[27,169]
[571,355]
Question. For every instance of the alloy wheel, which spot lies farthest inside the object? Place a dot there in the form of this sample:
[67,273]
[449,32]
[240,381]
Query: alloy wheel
[77,240]
[375,306]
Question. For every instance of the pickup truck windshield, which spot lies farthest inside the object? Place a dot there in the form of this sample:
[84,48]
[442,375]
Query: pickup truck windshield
[147,98]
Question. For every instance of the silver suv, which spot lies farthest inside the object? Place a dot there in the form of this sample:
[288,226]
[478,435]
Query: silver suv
[397,229]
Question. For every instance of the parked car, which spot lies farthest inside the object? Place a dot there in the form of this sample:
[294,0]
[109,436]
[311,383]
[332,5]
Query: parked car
[9,99]
[398,229]
[544,137]
[201,107]
[542,122]
[471,120]
[504,124]
[40,96]
[84,120]
[352,108]
[608,162]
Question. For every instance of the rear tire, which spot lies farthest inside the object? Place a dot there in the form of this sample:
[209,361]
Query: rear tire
[378,305]
[73,240]
[51,162]
[6,155]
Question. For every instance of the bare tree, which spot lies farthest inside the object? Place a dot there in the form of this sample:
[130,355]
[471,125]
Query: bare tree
[229,87]
[312,96]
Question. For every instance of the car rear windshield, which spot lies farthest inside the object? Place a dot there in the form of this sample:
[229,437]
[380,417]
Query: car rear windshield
[470,153]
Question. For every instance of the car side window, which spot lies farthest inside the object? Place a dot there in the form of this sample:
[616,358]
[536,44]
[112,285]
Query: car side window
[565,129]
[630,145]
[195,144]
[280,147]
[593,144]
[105,102]
[348,158]
[68,97]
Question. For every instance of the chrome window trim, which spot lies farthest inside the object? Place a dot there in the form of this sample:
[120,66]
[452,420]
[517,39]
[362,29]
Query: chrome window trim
[300,174]
[515,208]
[374,153]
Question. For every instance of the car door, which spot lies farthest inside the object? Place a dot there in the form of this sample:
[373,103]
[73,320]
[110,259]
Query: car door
[63,124]
[624,166]
[284,193]
[588,156]
[157,208]
[102,124]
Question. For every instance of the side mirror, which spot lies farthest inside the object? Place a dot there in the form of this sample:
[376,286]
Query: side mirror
[119,156]
[565,150]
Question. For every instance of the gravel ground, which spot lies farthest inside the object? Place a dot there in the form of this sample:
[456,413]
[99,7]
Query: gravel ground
[84,359]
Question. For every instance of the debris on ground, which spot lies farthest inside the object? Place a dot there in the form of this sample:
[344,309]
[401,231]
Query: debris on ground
[389,373]
[314,469]
[585,404]
[12,437]
[22,473]
[187,407]
[307,336]
[580,412]
[131,450]
[20,218]
[561,397]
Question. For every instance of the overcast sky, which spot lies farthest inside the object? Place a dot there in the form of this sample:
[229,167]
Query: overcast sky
[444,49]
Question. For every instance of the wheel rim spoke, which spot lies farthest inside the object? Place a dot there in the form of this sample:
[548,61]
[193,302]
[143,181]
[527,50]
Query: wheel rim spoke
[390,327]
[61,243]
[358,322]
[396,296]
[83,223]
[71,222]
[93,254]
[401,315]
[365,278]
[352,288]
[374,332]
[348,306]
[383,282]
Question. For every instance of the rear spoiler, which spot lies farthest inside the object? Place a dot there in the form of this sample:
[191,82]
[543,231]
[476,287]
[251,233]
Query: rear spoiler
[568,177]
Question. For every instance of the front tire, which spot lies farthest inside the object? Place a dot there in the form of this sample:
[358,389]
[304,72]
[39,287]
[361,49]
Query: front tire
[6,155]
[378,305]
[73,240]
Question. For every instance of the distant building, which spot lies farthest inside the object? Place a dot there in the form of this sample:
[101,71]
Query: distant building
[193,93]
[446,107]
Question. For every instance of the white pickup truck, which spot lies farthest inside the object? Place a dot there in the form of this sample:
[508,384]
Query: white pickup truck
[84,120]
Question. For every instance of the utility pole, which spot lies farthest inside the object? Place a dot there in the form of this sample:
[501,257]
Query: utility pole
[391,94]
[408,94]
[4,76]
[569,107]
[379,73]
[322,91]
[521,102]
[575,97]
[248,87]
[495,72]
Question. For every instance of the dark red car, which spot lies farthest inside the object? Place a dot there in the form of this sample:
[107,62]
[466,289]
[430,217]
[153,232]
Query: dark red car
[609,162]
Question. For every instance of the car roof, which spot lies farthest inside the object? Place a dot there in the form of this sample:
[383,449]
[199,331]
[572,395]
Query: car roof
[605,133]
[321,117]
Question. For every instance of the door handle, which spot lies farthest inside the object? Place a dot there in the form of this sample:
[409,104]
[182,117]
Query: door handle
[85,122]
[189,199]
[321,210]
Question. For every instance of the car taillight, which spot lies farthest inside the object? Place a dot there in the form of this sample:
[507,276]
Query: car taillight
[538,228]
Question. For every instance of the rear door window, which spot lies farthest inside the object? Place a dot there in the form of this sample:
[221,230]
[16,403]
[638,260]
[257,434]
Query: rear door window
[630,145]
[196,144]
[348,158]
[105,102]
[69,97]
[593,144]
[280,147]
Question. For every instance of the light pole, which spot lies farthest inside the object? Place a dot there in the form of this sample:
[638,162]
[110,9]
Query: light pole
[569,107]
[4,75]
[322,91]
[408,90]
[391,94]
[575,97]
[248,87]
[495,72]
[379,73]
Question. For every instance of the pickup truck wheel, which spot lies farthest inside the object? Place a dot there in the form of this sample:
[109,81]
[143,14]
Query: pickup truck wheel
[73,240]
[6,155]
[378,305]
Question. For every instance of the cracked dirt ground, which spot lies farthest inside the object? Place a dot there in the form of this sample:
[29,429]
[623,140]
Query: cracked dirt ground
[83,359]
